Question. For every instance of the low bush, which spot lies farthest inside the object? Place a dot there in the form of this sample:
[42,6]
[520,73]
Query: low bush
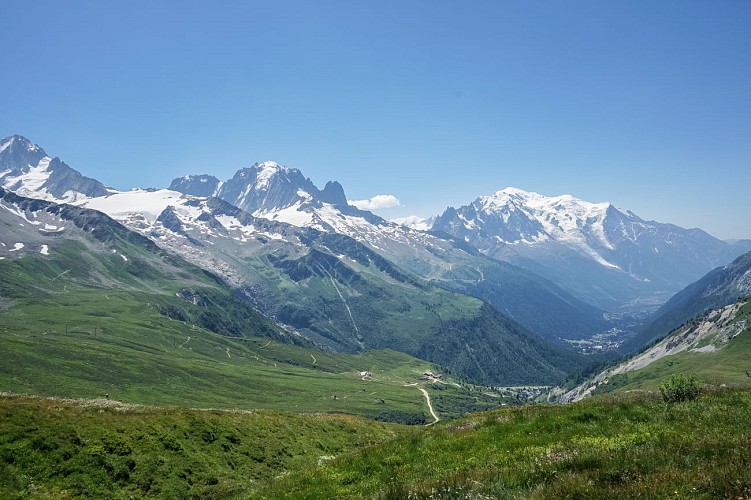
[678,388]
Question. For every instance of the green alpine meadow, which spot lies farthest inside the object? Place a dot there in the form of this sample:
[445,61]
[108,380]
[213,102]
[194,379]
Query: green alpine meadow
[626,446]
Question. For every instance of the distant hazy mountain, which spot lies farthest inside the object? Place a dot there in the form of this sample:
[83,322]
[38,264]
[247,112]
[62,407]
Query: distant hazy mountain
[28,171]
[604,255]
[270,191]
[720,287]
[414,222]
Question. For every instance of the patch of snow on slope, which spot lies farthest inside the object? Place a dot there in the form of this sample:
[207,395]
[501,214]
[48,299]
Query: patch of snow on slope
[73,196]
[17,247]
[45,250]
[6,144]
[233,224]
[31,183]
[122,204]
[291,215]
[266,171]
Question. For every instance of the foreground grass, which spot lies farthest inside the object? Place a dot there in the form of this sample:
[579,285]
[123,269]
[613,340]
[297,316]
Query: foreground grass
[52,448]
[627,446]
[617,447]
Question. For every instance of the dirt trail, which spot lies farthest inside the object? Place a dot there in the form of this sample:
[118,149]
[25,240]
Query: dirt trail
[430,406]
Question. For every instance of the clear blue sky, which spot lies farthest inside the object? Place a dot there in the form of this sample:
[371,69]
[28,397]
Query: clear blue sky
[646,104]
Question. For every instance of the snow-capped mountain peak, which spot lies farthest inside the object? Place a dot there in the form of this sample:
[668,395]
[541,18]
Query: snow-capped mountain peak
[530,217]
[27,170]
[269,190]
[571,240]
[20,142]
[267,170]
[565,202]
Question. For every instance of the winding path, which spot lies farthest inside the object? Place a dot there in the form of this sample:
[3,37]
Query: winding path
[427,398]
[430,406]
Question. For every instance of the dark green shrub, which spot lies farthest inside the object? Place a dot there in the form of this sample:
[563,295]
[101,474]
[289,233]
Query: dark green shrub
[677,388]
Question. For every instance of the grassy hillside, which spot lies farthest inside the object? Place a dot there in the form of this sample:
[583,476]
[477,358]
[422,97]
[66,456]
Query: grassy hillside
[101,449]
[88,343]
[609,447]
[331,289]
[83,321]
[626,447]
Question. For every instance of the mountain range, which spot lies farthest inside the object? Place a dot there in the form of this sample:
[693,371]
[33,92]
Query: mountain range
[606,256]
[489,292]
[325,286]
[272,192]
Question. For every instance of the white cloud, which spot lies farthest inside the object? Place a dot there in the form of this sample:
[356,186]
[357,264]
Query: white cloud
[377,202]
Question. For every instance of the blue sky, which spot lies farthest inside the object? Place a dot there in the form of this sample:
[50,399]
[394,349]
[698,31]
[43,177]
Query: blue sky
[645,104]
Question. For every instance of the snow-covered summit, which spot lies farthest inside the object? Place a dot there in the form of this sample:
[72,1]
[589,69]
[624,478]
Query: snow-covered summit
[266,170]
[536,200]
[267,189]
[27,170]
[580,244]
[538,218]
[20,142]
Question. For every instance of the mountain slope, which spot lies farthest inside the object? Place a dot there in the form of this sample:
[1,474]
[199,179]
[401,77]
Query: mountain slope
[28,171]
[718,288]
[276,193]
[89,309]
[336,291]
[43,244]
[617,447]
[603,255]
[620,447]
[715,346]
